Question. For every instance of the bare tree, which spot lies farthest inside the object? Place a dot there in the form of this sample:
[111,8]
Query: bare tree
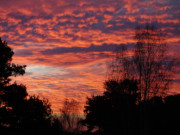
[70,115]
[146,62]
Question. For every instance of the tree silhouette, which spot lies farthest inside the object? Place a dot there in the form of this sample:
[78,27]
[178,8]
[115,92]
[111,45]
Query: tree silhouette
[7,69]
[35,117]
[115,110]
[146,62]
[135,100]
[20,112]
[10,94]
[172,111]
[69,116]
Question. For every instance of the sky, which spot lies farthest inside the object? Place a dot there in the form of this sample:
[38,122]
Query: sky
[67,44]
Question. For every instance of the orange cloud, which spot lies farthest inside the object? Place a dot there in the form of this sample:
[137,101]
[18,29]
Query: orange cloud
[34,27]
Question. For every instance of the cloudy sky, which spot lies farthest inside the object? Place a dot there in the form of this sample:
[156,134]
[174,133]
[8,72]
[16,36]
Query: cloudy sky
[66,44]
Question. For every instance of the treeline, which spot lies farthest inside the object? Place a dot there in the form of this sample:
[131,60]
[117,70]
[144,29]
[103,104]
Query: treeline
[135,100]
[118,112]
[21,113]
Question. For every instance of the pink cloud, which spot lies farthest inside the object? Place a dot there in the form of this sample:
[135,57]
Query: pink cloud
[35,27]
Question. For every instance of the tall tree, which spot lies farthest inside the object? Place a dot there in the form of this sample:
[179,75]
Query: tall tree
[147,62]
[19,112]
[7,68]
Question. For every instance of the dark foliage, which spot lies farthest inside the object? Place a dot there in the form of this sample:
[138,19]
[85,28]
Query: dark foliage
[114,111]
[19,112]
[8,69]
[135,100]
[33,115]
[119,112]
